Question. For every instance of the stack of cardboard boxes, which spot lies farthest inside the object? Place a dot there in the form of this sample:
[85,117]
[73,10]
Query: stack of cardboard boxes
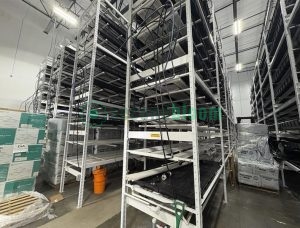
[53,156]
[256,165]
[21,142]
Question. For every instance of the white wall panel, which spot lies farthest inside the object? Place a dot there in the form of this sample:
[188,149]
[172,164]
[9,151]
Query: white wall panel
[34,46]
[240,89]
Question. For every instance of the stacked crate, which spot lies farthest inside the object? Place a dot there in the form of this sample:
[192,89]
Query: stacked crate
[53,156]
[256,165]
[21,141]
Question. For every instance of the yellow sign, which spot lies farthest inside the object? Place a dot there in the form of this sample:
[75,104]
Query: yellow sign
[155,135]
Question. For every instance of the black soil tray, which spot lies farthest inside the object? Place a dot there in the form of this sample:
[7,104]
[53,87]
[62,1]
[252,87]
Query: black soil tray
[180,185]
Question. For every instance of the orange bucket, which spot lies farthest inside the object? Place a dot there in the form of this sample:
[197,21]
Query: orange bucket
[99,180]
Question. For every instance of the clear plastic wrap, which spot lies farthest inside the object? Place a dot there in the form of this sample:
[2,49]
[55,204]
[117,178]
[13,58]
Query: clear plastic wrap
[31,213]
[257,129]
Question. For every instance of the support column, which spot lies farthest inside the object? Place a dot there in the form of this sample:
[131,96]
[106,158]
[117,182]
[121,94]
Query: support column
[127,116]
[192,80]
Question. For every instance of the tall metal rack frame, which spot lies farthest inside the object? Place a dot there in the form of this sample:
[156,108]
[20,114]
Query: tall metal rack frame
[43,86]
[277,59]
[96,93]
[61,78]
[157,205]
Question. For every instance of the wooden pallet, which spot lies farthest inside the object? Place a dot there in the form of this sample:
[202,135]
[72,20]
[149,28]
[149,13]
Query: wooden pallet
[16,204]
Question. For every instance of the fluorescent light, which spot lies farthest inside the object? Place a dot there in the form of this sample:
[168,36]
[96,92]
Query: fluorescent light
[65,15]
[71,46]
[237,27]
[238,67]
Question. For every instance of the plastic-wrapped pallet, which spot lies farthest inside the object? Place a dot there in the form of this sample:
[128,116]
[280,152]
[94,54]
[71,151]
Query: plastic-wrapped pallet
[256,129]
[21,139]
[256,165]
[53,156]
[258,174]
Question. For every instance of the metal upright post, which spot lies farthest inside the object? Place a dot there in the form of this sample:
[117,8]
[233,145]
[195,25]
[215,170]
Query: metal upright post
[192,80]
[72,96]
[145,129]
[286,23]
[127,116]
[227,117]
[261,95]
[255,100]
[88,110]
[219,109]
[271,86]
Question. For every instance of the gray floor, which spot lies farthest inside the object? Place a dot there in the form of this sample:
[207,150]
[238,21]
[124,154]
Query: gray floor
[246,208]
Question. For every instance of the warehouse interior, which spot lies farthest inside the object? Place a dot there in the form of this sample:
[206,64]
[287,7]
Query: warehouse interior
[150,113]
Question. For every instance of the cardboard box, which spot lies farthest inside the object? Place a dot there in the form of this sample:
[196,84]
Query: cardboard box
[56,136]
[267,170]
[258,129]
[20,136]
[58,125]
[6,154]
[3,172]
[247,153]
[246,167]
[253,180]
[10,188]
[17,153]
[269,183]
[19,170]
[10,119]
[34,152]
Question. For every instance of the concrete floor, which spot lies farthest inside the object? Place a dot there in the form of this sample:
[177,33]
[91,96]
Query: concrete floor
[246,208]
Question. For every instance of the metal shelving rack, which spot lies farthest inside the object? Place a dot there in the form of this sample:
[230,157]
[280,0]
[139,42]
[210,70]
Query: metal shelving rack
[194,74]
[275,94]
[43,87]
[96,109]
[61,80]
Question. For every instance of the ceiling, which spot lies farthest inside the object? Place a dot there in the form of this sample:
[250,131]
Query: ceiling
[243,47]
[237,49]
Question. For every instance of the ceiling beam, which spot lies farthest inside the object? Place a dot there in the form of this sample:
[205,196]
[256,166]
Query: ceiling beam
[236,40]
[243,19]
[41,11]
[242,50]
[245,64]
[247,29]
[224,7]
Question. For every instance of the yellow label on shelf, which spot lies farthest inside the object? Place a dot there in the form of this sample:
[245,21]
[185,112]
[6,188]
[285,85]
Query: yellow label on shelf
[155,135]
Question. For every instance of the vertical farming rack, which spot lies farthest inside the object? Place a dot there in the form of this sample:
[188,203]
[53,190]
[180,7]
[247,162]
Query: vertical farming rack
[61,79]
[174,66]
[275,94]
[43,87]
[96,108]
[275,91]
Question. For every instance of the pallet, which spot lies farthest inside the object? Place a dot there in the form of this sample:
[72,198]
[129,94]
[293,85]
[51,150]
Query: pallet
[16,204]
[260,189]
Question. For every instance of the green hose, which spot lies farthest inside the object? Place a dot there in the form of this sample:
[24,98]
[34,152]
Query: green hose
[179,209]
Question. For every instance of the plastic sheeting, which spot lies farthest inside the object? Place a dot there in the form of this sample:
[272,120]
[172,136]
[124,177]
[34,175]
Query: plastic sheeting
[256,165]
[31,213]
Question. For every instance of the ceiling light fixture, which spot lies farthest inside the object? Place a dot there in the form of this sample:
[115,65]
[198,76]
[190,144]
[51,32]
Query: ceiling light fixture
[65,15]
[237,27]
[238,67]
